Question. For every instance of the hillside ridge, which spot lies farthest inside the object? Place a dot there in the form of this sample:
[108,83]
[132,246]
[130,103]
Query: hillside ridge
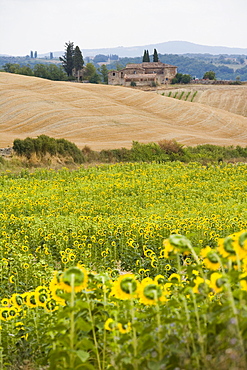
[107,117]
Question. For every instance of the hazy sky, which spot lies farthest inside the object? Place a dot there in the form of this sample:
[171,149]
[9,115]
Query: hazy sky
[45,25]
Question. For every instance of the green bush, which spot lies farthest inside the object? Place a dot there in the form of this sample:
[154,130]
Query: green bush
[44,144]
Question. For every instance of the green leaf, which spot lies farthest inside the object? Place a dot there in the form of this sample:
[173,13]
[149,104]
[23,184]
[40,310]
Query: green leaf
[83,355]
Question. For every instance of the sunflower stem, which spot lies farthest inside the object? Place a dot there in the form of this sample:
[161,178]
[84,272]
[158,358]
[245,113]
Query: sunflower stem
[94,334]
[235,313]
[200,336]
[72,321]
[158,327]
[134,336]
[190,331]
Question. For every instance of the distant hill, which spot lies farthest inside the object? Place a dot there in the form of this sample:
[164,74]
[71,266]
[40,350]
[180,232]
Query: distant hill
[169,47]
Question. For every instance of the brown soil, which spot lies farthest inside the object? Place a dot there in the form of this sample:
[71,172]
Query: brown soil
[106,117]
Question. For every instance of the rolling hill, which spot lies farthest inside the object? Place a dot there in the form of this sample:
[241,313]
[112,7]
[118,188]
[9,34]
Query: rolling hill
[230,98]
[106,117]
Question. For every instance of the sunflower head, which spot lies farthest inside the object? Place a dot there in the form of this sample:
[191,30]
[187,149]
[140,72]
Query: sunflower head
[151,293]
[201,285]
[226,247]
[211,259]
[125,287]
[16,300]
[74,276]
[217,282]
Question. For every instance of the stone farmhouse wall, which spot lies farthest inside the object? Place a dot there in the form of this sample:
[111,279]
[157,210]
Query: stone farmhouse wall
[144,74]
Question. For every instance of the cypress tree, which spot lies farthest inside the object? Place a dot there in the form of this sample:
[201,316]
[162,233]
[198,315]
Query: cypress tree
[78,60]
[155,56]
[144,58]
[148,58]
[68,58]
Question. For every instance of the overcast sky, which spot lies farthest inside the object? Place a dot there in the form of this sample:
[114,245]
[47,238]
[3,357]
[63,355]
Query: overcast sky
[45,25]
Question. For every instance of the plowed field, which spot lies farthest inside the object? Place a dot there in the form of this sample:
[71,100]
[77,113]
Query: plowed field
[105,117]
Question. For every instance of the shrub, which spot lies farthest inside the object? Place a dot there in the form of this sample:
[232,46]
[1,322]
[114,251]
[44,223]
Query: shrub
[44,144]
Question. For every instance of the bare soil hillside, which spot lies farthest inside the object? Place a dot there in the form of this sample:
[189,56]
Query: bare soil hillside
[102,116]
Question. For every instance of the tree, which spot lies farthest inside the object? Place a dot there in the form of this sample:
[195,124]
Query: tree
[91,74]
[100,58]
[78,61]
[94,79]
[146,57]
[68,58]
[186,79]
[155,56]
[210,75]
[104,73]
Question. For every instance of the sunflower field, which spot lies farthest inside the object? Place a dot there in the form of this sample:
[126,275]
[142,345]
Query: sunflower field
[124,266]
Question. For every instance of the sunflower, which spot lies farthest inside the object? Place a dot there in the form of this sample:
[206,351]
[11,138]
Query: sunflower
[201,285]
[5,302]
[31,299]
[226,247]
[42,295]
[175,278]
[125,287]
[124,328]
[217,282]
[150,292]
[210,258]
[160,279]
[50,305]
[243,281]
[110,324]
[4,314]
[16,300]
[80,279]
[241,244]
[168,248]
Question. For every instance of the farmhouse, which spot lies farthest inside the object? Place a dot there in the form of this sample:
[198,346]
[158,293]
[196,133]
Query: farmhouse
[144,74]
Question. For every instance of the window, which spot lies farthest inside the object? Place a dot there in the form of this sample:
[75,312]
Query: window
[113,73]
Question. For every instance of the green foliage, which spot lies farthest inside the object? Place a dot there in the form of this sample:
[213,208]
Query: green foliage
[167,224]
[193,96]
[78,61]
[50,72]
[209,75]
[100,58]
[68,58]
[155,56]
[133,83]
[45,144]
[146,57]
[91,73]
[181,78]
[104,73]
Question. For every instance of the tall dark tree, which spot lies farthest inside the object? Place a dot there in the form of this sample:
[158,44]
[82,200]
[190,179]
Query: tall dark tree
[148,58]
[78,61]
[155,56]
[68,58]
[144,58]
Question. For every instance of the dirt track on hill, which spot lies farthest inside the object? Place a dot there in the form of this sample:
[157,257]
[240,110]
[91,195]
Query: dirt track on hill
[106,117]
